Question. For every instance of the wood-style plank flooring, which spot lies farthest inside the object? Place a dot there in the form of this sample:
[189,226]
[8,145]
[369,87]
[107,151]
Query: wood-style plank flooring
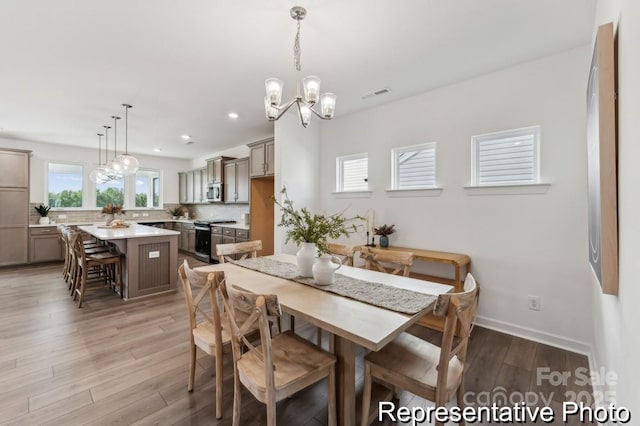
[116,362]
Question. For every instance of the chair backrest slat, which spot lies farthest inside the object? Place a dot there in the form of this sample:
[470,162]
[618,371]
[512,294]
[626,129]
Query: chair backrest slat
[378,259]
[246,248]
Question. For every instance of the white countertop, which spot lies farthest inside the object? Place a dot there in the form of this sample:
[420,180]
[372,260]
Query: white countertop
[133,231]
[236,225]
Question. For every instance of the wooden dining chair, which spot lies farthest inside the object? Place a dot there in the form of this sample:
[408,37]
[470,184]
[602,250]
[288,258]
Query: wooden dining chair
[391,262]
[421,368]
[207,330]
[280,366]
[345,252]
[246,249]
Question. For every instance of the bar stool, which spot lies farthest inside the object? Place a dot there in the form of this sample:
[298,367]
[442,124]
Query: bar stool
[108,267]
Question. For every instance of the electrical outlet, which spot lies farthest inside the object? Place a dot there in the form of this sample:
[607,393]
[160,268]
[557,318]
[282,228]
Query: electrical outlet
[136,215]
[534,303]
[62,216]
[145,214]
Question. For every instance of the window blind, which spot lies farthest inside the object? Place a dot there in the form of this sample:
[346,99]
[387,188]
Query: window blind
[416,168]
[355,172]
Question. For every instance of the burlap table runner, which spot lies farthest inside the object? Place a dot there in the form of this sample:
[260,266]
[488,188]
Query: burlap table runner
[373,293]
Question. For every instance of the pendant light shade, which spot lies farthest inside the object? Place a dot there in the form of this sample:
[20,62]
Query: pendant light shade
[98,175]
[109,171]
[128,164]
[116,165]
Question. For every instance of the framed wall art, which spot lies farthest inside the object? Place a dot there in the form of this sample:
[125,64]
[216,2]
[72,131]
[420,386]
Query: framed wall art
[602,161]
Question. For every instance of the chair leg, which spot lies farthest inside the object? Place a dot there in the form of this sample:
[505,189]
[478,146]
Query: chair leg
[319,337]
[237,400]
[192,365]
[460,398]
[366,395]
[83,284]
[219,382]
[332,396]
[271,408]
[120,278]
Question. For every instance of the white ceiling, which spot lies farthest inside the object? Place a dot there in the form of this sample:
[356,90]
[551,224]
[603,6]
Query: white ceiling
[66,66]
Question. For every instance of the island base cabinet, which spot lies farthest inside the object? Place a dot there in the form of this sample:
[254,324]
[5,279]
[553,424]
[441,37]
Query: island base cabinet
[152,264]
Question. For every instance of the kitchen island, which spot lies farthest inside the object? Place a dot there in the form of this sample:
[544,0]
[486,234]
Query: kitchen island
[151,256]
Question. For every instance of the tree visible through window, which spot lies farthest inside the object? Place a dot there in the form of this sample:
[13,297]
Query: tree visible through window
[147,188]
[65,185]
[111,192]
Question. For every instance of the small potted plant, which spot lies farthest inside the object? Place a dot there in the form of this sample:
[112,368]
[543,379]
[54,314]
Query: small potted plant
[384,231]
[110,210]
[44,212]
[176,212]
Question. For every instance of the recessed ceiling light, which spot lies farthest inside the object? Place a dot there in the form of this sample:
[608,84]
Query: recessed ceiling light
[157,149]
[186,137]
[233,115]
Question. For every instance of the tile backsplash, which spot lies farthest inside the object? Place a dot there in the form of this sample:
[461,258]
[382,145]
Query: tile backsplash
[196,211]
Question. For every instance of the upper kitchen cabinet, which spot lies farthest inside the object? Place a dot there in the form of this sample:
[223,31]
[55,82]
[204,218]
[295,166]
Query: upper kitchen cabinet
[262,158]
[215,169]
[15,168]
[236,181]
[193,186]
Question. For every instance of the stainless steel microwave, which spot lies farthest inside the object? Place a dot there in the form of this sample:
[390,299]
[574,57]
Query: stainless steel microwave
[215,193]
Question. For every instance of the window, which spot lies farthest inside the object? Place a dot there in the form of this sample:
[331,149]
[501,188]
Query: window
[352,173]
[414,167]
[111,192]
[147,188]
[504,158]
[64,183]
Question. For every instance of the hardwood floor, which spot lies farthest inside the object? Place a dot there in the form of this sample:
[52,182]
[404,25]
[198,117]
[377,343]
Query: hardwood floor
[116,362]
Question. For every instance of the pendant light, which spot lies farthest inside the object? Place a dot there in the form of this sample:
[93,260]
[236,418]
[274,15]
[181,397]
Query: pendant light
[116,166]
[129,164]
[109,173]
[97,175]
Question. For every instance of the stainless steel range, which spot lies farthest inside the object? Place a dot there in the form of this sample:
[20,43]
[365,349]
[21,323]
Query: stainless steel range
[203,237]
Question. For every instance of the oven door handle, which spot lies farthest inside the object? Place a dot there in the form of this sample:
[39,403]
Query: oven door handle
[198,228]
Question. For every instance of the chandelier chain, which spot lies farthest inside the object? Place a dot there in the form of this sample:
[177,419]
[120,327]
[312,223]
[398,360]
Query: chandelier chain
[296,50]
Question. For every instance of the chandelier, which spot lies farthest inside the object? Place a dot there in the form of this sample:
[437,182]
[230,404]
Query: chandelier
[310,88]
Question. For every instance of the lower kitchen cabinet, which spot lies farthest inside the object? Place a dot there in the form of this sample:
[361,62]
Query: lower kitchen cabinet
[223,235]
[45,245]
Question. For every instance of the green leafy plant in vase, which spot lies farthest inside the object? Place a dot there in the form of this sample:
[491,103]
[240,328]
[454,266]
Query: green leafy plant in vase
[110,210]
[311,231]
[384,231]
[44,212]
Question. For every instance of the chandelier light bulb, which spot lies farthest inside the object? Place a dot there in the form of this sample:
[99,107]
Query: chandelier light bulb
[274,91]
[328,105]
[305,114]
[270,112]
[311,86]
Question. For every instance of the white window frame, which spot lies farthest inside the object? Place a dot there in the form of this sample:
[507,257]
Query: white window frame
[395,167]
[85,178]
[506,134]
[340,171]
[130,191]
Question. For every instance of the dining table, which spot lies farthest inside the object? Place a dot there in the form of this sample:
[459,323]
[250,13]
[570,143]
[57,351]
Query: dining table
[352,322]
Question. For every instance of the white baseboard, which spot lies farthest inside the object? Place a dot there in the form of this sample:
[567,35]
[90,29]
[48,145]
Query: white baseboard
[537,336]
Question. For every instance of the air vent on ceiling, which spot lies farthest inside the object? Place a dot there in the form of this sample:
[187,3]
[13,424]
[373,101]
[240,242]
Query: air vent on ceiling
[187,142]
[378,92]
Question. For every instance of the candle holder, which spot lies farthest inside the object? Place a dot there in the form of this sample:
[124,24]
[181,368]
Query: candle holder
[373,242]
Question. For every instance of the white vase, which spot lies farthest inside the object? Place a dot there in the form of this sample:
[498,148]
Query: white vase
[44,220]
[305,258]
[110,218]
[324,268]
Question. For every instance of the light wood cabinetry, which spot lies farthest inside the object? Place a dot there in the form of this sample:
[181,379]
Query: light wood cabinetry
[45,245]
[262,213]
[262,158]
[236,181]
[215,169]
[14,214]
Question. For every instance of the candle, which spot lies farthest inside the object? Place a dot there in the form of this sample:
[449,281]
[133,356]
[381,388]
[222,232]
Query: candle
[373,220]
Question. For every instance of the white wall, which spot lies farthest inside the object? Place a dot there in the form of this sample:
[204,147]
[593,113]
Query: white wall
[615,319]
[296,167]
[42,152]
[520,245]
